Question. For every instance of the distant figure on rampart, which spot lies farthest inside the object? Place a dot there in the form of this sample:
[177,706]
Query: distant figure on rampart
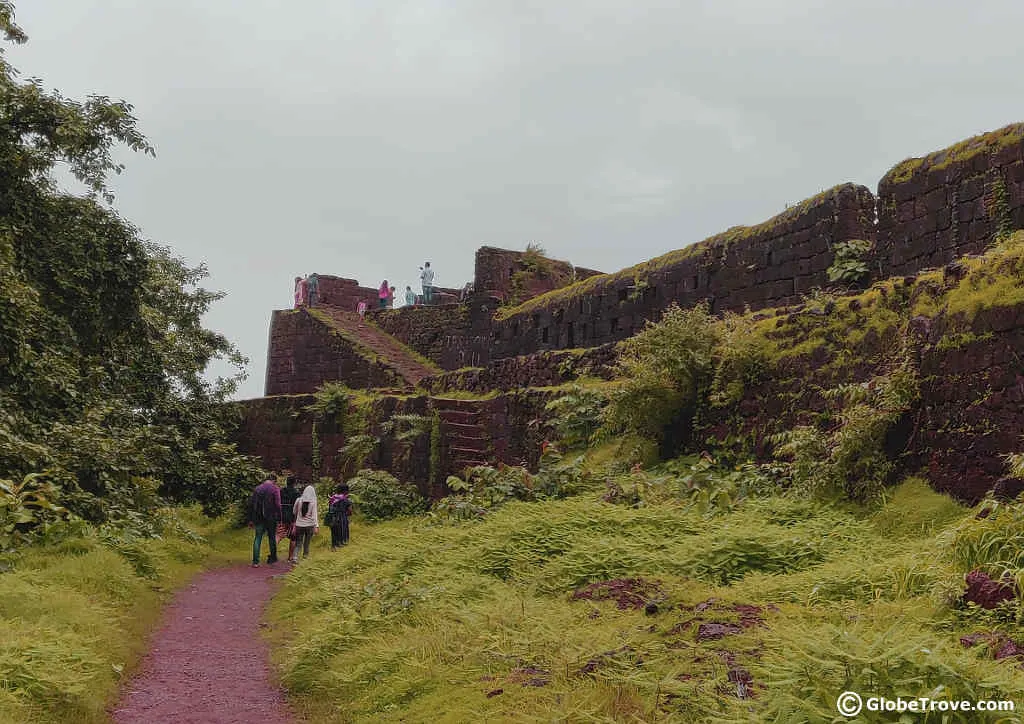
[312,289]
[427,280]
[466,292]
[301,292]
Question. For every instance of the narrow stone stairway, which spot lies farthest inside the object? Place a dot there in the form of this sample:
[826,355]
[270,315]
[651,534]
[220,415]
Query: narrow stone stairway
[469,443]
[392,353]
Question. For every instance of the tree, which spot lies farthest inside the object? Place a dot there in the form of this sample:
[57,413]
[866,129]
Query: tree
[102,346]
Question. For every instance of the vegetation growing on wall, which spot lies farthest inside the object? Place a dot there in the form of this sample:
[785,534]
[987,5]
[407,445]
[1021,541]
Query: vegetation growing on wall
[849,265]
[712,247]
[990,142]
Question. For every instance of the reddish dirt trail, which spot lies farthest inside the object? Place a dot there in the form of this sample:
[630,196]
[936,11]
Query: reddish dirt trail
[208,663]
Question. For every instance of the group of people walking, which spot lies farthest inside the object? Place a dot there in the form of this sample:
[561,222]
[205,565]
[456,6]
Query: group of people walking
[276,513]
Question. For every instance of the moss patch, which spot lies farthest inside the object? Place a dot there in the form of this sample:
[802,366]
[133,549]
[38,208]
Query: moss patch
[712,246]
[958,153]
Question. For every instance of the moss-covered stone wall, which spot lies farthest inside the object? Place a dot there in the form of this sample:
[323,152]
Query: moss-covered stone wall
[952,202]
[303,353]
[770,264]
[537,370]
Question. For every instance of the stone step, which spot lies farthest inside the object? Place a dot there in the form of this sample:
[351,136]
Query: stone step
[476,444]
[448,403]
[458,466]
[459,453]
[459,417]
[467,430]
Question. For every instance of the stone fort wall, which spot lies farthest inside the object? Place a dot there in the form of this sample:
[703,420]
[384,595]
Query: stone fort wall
[927,212]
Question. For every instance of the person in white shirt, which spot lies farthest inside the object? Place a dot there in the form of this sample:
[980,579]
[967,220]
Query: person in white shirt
[427,279]
[306,521]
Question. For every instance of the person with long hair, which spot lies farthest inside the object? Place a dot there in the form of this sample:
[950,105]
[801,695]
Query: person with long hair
[306,522]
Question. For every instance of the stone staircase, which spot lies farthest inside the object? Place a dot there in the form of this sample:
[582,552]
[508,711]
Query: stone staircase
[463,426]
[389,350]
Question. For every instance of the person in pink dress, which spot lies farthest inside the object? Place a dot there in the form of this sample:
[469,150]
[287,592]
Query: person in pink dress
[361,308]
[300,292]
[383,293]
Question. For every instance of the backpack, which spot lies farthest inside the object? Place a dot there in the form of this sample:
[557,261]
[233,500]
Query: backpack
[288,498]
[337,511]
[262,508]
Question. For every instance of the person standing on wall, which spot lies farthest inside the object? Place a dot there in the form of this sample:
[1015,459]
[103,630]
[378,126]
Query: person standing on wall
[312,289]
[306,522]
[427,280]
[382,294]
[410,297]
[264,513]
[301,290]
[391,298]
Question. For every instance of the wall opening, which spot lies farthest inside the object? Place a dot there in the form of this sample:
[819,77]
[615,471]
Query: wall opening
[570,336]
[615,324]
[544,335]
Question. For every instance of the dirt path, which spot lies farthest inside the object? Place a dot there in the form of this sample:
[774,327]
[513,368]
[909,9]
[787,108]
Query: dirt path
[208,662]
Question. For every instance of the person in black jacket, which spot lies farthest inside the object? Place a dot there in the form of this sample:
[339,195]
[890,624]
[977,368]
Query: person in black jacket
[289,494]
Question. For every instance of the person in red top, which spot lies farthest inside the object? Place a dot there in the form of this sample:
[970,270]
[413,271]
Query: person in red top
[264,514]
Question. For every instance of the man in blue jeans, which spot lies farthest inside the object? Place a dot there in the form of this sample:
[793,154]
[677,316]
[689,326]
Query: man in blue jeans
[264,513]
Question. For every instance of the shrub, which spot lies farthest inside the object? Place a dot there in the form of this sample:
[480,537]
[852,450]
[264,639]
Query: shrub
[849,265]
[379,495]
[743,359]
[851,459]
[667,369]
[577,415]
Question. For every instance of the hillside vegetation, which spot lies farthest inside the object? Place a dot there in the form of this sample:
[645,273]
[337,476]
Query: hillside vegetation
[641,607]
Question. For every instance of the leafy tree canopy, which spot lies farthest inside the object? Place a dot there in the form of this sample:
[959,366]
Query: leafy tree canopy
[102,346]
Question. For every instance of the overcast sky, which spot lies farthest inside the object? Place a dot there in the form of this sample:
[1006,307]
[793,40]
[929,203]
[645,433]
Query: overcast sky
[360,138]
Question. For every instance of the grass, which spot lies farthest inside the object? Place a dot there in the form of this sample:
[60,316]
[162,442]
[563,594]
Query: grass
[74,617]
[421,620]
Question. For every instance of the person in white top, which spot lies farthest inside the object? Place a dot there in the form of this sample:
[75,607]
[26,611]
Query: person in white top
[306,521]
[427,280]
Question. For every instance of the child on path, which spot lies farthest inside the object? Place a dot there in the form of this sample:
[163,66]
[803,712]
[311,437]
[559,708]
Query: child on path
[361,308]
[306,525]
[339,507]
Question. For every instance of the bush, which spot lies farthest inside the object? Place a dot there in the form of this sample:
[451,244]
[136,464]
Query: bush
[667,370]
[577,415]
[850,265]
[379,495]
[851,459]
